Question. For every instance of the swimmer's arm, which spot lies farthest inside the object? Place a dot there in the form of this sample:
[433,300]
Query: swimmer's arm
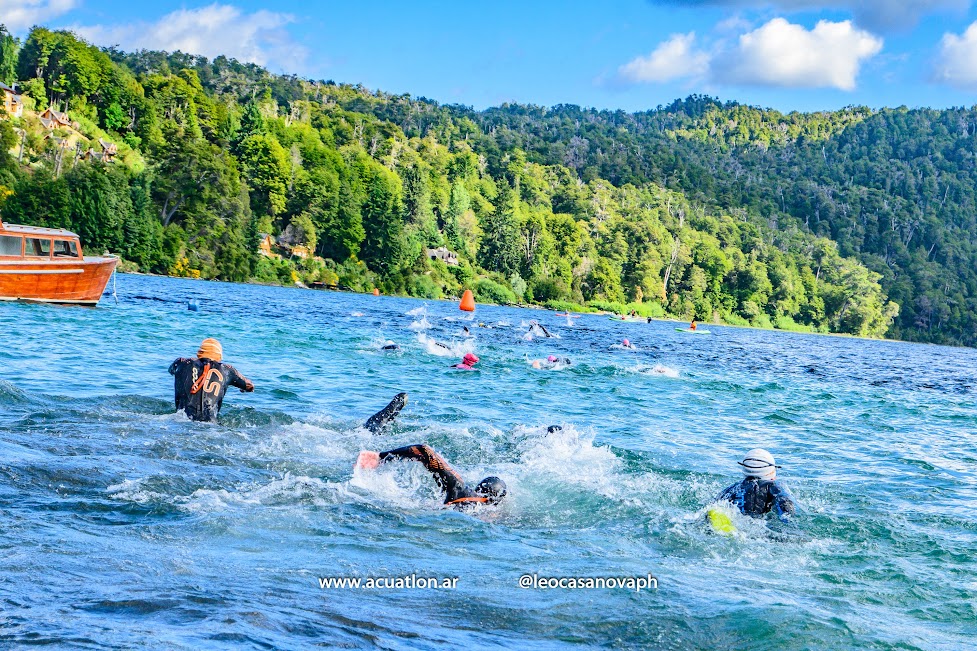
[783,504]
[444,475]
[177,363]
[238,380]
[729,495]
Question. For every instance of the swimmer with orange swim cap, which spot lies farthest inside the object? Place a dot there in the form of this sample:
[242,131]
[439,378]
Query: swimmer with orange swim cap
[200,384]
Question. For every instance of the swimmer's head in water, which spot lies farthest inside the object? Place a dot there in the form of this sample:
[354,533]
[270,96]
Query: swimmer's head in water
[626,343]
[552,429]
[391,347]
[759,463]
[552,358]
[469,359]
[210,349]
[492,488]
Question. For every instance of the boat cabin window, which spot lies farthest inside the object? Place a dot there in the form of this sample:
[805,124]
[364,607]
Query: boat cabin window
[38,248]
[11,245]
[65,249]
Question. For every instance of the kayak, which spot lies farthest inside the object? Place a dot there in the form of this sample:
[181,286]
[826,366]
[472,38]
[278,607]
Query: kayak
[693,332]
[573,316]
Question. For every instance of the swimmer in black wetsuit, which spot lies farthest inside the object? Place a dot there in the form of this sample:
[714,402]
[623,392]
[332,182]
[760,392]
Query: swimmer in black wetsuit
[199,384]
[760,492]
[382,418]
[457,493]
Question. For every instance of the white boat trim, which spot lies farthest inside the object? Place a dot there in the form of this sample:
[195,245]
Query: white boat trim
[24,272]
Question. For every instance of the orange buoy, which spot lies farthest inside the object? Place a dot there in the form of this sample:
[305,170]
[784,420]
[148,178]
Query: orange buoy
[467,301]
[376,292]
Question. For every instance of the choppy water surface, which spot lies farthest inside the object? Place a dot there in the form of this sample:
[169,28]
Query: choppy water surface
[124,525]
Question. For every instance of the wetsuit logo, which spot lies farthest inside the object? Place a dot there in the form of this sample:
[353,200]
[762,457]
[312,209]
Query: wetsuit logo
[211,381]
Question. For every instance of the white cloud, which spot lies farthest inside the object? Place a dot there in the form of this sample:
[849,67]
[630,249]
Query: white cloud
[18,15]
[877,15]
[787,55]
[258,37]
[673,59]
[778,53]
[956,63]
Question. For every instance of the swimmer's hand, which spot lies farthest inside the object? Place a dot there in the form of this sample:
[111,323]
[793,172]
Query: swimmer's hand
[368,460]
[248,387]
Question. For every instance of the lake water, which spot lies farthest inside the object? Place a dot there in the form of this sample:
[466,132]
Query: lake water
[125,525]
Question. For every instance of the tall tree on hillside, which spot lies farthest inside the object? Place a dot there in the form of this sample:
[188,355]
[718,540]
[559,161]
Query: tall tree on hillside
[383,245]
[417,205]
[9,47]
[500,250]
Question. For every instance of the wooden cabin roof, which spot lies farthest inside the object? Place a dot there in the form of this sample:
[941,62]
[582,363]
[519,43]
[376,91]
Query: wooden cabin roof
[17,229]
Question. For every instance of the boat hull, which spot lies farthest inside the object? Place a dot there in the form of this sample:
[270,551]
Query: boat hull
[80,281]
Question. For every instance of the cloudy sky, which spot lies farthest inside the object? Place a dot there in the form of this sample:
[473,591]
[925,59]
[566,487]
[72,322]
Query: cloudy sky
[631,54]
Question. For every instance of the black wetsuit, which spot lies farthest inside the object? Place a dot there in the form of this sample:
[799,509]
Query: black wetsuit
[757,497]
[200,385]
[457,493]
[379,420]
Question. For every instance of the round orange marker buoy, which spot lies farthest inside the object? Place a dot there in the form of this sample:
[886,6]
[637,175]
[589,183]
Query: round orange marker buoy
[467,301]
[376,292]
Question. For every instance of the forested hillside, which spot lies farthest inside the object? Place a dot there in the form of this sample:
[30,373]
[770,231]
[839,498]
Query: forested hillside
[826,221]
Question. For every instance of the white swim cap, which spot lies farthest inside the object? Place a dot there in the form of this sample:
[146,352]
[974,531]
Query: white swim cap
[759,463]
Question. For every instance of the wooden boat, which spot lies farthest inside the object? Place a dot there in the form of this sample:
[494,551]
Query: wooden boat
[47,264]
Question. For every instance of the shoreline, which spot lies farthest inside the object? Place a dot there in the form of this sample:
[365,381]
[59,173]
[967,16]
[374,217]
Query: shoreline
[667,319]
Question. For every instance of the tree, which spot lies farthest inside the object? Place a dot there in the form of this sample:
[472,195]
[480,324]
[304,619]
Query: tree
[9,47]
[266,168]
[383,245]
[500,250]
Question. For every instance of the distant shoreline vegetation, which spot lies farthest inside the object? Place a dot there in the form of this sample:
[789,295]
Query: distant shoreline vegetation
[853,221]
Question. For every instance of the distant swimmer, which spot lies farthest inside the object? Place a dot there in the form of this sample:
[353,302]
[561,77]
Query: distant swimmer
[466,331]
[385,416]
[458,494]
[535,326]
[552,361]
[553,429]
[627,344]
[390,346]
[760,492]
[200,384]
[467,362]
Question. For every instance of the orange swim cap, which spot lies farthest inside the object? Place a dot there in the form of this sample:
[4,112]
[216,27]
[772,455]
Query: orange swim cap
[210,349]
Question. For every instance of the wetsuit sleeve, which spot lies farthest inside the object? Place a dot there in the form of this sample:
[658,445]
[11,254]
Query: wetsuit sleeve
[444,475]
[176,364]
[729,495]
[238,380]
[783,503]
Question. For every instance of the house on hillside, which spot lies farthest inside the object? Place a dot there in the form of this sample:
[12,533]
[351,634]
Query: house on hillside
[12,102]
[264,246]
[300,251]
[109,150]
[52,119]
[443,254]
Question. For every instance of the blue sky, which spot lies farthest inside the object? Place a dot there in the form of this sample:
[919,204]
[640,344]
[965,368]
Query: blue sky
[632,54]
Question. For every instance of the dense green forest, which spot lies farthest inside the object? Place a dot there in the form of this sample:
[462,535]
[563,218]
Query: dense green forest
[853,221]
